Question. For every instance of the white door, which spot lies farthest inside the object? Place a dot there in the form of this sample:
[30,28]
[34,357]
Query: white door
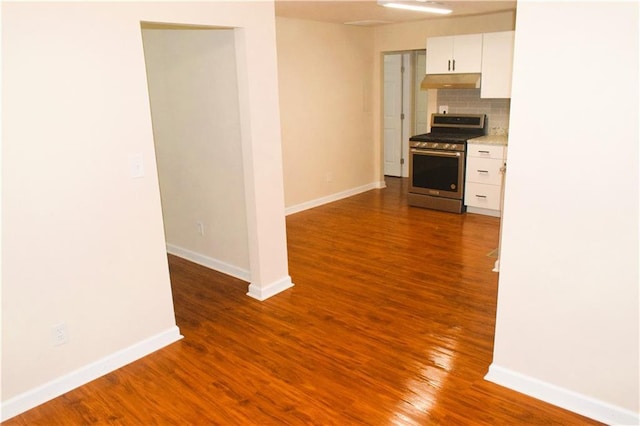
[392,114]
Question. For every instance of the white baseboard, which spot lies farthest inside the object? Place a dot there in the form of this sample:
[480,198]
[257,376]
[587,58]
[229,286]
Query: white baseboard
[46,392]
[561,397]
[209,262]
[257,292]
[333,197]
[264,292]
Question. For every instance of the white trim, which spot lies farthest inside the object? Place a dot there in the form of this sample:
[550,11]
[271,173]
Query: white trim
[264,292]
[561,397]
[209,262]
[333,197]
[480,210]
[46,392]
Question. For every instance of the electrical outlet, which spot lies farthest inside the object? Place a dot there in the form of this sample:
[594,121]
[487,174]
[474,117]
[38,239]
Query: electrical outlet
[136,166]
[443,109]
[200,226]
[59,334]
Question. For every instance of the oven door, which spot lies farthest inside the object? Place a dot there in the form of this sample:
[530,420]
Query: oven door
[437,173]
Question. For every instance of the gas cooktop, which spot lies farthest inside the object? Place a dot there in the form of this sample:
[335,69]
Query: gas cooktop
[450,128]
[442,137]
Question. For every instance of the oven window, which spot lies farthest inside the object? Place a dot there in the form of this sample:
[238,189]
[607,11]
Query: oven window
[435,172]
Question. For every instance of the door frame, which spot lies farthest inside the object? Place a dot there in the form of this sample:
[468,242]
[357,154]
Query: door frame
[409,94]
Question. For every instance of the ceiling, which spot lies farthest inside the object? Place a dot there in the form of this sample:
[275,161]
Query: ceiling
[369,13]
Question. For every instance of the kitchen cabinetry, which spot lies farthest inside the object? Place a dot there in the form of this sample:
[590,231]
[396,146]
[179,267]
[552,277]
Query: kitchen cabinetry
[454,54]
[497,64]
[483,183]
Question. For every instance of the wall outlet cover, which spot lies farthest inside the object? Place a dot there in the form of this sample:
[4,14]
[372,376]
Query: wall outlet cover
[136,166]
[59,334]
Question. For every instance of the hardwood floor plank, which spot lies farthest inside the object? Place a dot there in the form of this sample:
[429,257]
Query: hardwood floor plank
[390,321]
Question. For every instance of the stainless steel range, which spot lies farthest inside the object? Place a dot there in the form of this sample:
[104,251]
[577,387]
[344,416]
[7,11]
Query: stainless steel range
[437,161]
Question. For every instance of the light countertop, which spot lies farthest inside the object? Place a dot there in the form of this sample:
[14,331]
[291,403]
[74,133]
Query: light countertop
[491,140]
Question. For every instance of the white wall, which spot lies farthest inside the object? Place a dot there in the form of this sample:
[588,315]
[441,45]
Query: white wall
[196,124]
[325,73]
[567,322]
[82,242]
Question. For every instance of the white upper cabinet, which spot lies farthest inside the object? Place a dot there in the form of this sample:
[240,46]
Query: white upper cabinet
[497,64]
[454,54]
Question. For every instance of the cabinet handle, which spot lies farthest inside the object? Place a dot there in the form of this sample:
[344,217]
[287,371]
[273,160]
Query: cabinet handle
[449,65]
[483,171]
[483,152]
[481,196]
[454,64]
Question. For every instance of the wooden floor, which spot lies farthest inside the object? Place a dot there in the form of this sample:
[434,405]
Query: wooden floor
[391,321]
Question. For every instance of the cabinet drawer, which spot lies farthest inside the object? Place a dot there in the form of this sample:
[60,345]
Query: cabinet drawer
[482,195]
[484,170]
[485,151]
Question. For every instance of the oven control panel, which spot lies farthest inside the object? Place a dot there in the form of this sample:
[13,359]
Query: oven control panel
[437,145]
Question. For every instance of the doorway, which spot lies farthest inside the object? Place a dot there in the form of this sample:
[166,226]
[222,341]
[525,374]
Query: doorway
[404,107]
[193,91]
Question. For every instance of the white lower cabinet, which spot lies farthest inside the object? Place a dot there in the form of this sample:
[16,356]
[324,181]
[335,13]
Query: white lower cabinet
[483,182]
[483,196]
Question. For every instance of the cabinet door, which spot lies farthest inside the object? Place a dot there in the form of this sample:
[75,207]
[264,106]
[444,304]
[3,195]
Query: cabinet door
[486,151]
[467,53]
[484,170]
[439,55]
[482,196]
[497,64]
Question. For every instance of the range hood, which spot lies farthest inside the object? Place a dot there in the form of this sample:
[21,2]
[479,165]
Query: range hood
[451,81]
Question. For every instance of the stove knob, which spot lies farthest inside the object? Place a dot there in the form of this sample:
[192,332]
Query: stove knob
[424,145]
[454,147]
[435,145]
[446,146]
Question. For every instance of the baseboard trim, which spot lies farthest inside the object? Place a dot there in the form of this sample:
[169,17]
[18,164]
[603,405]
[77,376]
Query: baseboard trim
[333,197]
[48,391]
[264,292]
[561,397]
[486,212]
[209,262]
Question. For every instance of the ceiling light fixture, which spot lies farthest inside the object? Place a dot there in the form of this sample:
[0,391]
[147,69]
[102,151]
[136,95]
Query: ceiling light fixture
[415,7]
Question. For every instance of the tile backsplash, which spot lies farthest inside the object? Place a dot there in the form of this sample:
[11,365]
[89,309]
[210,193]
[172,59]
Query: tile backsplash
[468,101]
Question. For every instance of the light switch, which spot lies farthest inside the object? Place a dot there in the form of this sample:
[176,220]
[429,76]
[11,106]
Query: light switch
[136,166]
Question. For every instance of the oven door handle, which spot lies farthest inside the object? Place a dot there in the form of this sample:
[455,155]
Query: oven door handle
[438,153]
